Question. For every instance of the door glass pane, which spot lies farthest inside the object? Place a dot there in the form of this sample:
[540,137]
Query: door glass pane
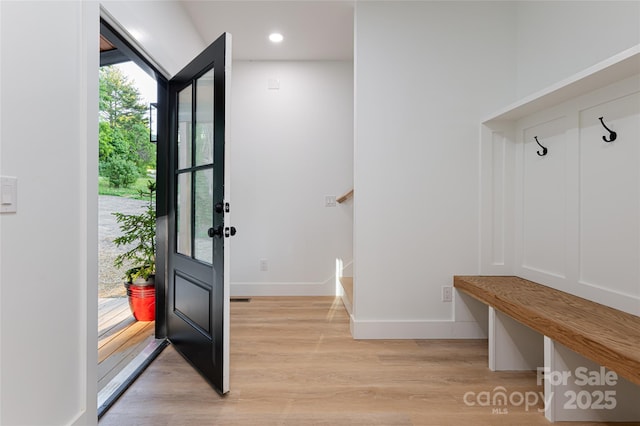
[204,214]
[184,127]
[183,214]
[204,119]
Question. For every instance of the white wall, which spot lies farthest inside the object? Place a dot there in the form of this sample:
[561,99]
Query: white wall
[557,39]
[425,73]
[290,148]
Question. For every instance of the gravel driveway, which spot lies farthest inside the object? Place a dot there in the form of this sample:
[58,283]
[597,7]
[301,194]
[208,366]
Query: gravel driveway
[110,278]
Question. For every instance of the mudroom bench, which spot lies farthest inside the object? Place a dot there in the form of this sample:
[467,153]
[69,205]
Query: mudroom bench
[583,349]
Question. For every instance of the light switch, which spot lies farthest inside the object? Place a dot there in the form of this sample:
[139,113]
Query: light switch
[8,194]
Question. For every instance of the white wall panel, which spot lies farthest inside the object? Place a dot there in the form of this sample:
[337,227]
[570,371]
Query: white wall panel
[610,196]
[577,209]
[543,198]
[496,211]
[499,147]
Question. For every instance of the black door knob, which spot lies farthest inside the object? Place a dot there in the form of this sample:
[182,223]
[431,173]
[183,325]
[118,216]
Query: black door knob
[219,208]
[215,232]
[233,231]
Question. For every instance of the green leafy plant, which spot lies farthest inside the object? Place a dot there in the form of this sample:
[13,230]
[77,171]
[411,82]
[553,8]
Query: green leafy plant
[120,172]
[139,230]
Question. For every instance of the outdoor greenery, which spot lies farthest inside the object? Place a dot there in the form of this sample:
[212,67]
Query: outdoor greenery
[139,235]
[125,152]
[132,191]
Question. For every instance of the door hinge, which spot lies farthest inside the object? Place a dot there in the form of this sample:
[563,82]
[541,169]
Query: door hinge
[229,231]
[226,207]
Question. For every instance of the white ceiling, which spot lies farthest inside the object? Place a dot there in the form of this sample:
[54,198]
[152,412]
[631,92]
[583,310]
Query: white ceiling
[312,30]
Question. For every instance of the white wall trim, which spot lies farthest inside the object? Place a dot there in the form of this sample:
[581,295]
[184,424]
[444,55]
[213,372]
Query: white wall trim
[89,61]
[125,34]
[327,288]
[415,329]
[1,257]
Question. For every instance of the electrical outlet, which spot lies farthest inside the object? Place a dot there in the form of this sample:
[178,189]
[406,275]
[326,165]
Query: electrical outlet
[273,84]
[330,201]
[264,265]
[447,293]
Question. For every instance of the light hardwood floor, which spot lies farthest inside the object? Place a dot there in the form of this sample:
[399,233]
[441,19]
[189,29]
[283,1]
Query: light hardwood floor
[293,362]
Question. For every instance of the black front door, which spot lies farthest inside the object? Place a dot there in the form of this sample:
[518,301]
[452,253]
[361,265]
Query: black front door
[198,283]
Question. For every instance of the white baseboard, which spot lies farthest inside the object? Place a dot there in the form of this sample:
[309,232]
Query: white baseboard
[367,329]
[327,288]
[347,303]
[416,329]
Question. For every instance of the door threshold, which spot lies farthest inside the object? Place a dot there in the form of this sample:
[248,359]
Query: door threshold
[121,382]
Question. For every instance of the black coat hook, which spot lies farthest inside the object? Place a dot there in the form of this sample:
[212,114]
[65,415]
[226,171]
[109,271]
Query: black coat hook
[612,135]
[544,150]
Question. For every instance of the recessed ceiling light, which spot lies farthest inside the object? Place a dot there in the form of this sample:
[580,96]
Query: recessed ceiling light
[276,37]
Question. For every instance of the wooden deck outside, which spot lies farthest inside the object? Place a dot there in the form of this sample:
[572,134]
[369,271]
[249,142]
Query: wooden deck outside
[120,337]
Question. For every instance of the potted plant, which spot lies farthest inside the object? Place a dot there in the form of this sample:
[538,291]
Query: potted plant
[139,235]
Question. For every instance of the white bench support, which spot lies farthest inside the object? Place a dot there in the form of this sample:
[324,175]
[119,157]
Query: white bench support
[578,389]
[570,388]
[512,345]
[575,388]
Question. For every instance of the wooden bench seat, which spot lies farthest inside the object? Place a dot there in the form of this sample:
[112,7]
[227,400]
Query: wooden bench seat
[603,334]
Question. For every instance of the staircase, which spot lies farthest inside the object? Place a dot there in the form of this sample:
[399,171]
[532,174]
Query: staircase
[347,293]
[347,282]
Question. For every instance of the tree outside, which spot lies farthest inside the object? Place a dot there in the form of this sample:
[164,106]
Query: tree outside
[125,153]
